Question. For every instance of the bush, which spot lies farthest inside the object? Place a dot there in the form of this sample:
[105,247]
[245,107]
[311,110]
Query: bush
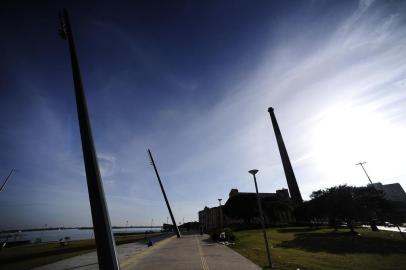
[230,236]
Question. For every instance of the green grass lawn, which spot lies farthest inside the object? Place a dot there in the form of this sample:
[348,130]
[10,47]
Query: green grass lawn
[305,248]
[30,256]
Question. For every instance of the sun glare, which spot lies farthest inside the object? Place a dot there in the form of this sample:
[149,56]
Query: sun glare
[345,135]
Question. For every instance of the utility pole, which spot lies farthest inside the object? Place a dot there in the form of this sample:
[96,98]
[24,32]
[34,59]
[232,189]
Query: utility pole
[175,227]
[106,248]
[7,178]
[362,166]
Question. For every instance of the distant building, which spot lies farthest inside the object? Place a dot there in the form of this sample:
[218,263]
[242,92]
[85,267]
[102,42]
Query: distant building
[209,218]
[167,227]
[190,226]
[393,192]
[282,194]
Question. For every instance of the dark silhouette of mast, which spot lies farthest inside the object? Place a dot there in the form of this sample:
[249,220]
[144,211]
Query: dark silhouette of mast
[290,175]
[7,178]
[163,192]
[106,250]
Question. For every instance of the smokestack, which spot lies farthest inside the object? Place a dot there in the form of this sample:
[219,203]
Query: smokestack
[290,175]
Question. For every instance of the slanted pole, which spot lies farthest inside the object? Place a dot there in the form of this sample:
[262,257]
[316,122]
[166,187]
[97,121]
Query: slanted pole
[7,178]
[362,166]
[163,192]
[106,249]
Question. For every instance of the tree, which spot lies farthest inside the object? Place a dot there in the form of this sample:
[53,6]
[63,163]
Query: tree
[347,203]
[369,203]
[335,203]
[395,213]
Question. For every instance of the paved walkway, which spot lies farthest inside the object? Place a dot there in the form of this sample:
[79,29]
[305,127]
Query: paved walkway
[189,252]
[88,261]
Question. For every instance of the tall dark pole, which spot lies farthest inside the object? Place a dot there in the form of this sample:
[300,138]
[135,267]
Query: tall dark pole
[362,166]
[290,175]
[261,217]
[7,178]
[163,192]
[221,215]
[106,249]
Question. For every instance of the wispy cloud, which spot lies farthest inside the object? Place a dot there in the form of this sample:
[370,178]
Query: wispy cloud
[334,74]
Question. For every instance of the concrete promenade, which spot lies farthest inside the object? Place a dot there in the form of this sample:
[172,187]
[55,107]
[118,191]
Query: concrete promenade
[88,261]
[189,252]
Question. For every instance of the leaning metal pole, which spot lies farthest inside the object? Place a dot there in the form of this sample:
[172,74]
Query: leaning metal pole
[106,249]
[362,166]
[7,178]
[163,192]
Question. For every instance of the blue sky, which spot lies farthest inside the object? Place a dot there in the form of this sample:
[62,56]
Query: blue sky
[192,80]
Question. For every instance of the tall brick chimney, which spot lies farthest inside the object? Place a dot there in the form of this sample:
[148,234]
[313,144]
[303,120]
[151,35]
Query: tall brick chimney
[290,175]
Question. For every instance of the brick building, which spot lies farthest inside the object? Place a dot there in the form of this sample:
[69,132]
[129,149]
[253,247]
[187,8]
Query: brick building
[209,218]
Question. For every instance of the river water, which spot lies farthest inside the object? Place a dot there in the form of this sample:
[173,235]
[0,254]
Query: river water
[55,235]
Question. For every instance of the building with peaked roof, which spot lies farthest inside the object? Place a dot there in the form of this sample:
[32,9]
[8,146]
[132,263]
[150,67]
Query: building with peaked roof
[393,192]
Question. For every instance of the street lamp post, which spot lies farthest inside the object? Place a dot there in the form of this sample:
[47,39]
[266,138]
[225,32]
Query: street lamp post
[261,217]
[362,166]
[221,215]
[373,220]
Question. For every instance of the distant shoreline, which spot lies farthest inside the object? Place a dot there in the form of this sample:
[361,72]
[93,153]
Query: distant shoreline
[74,228]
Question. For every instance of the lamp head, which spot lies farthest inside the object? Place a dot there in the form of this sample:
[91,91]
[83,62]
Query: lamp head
[253,172]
